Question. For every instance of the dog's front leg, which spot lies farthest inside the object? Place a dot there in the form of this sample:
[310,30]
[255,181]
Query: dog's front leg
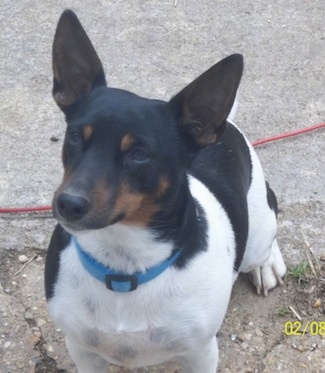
[203,359]
[85,360]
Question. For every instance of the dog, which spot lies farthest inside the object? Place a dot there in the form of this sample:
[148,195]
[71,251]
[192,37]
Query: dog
[162,204]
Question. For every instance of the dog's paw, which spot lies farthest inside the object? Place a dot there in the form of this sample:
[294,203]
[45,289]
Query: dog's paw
[270,273]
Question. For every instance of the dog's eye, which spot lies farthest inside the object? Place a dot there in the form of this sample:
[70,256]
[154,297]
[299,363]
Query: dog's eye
[138,155]
[74,137]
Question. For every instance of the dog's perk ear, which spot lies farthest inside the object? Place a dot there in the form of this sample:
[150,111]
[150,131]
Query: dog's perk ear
[204,105]
[76,66]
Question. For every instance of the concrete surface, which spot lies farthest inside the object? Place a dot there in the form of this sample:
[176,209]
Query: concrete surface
[154,48]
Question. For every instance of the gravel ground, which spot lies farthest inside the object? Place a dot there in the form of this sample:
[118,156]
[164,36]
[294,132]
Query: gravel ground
[154,49]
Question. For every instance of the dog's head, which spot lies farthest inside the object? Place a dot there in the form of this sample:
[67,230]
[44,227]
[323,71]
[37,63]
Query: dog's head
[125,157]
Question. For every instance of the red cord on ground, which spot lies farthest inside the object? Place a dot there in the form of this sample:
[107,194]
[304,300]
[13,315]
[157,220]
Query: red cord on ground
[255,143]
[10,210]
[288,134]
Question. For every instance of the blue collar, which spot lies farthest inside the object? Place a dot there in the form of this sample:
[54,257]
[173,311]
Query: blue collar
[117,281]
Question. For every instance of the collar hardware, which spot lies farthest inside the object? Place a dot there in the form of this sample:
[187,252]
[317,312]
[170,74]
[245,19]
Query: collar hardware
[121,283]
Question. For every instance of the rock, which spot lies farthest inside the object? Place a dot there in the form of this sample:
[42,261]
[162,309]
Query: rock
[22,259]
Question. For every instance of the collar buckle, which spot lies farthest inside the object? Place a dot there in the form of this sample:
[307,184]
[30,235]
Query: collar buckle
[121,283]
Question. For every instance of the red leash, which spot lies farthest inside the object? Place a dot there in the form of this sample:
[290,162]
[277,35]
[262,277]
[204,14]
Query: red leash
[288,134]
[8,210]
[255,143]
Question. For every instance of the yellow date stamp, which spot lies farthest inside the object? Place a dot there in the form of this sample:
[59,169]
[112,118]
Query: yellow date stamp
[309,327]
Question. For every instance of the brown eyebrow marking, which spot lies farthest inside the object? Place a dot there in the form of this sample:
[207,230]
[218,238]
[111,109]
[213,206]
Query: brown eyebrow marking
[126,142]
[87,131]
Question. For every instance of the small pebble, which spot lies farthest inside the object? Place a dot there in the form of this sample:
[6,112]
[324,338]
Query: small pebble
[7,344]
[49,348]
[37,334]
[23,259]
[36,338]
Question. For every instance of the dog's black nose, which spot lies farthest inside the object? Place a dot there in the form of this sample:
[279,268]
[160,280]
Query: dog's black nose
[72,207]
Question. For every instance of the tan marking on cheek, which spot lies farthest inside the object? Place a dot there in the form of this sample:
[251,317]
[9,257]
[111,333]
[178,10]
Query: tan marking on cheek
[144,215]
[126,201]
[163,186]
[126,142]
[101,196]
[137,208]
[87,131]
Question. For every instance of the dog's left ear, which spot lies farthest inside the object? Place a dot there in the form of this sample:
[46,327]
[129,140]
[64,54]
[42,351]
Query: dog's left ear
[204,105]
[76,67]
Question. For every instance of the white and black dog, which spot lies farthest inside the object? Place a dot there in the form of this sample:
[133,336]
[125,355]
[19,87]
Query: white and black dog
[162,204]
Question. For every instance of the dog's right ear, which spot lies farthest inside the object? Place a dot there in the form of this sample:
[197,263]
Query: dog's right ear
[76,66]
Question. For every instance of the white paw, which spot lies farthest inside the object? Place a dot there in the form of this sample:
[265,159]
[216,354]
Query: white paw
[271,272]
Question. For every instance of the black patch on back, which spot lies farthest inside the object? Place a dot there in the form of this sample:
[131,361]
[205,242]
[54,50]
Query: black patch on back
[192,237]
[226,169]
[271,199]
[59,240]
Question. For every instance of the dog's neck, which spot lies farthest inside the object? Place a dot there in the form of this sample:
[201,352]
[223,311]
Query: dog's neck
[131,248]
[125,248]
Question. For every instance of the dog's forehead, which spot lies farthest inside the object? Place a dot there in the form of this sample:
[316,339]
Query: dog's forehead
[113,114]
[116,105]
